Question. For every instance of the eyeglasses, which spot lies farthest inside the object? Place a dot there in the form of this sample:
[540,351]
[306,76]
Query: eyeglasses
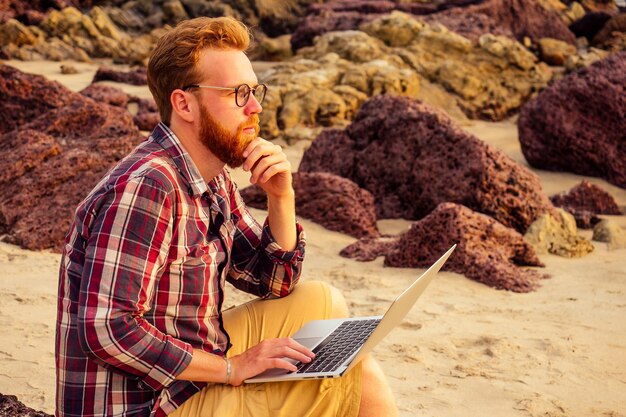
[242,92]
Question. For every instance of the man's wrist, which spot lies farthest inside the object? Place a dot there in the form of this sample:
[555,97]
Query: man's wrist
[288,195]
[229,370]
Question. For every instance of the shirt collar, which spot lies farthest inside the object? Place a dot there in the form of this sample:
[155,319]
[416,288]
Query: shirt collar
[164,136]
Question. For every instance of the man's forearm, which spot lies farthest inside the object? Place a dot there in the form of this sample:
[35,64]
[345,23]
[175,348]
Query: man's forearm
[205,367]
[282,220]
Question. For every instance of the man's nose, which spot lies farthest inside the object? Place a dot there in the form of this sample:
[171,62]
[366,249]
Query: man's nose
[253,106]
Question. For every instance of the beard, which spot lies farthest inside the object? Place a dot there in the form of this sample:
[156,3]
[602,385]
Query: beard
[227,147]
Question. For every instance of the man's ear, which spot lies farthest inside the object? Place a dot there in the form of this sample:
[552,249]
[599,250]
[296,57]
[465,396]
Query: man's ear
[183,104]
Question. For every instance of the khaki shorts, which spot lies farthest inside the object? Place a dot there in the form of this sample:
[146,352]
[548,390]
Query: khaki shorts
[257,320]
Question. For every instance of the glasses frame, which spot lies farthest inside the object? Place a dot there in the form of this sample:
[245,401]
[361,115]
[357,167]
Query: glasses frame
[252,91]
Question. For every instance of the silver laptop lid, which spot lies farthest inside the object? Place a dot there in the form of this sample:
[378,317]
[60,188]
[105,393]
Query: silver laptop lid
[400,308]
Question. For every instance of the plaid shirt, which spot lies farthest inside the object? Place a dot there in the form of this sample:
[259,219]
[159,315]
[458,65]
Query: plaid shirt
[142,281]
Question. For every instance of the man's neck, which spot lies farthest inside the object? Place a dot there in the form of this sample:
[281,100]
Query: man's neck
[208,164]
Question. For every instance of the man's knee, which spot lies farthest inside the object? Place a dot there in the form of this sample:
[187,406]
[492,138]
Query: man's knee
[340,307]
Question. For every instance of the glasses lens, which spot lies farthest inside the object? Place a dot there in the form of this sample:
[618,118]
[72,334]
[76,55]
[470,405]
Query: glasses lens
[243,94]
[259,92]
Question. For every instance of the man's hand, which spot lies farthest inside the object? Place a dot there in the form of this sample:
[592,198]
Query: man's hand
[266,355]
[269,167]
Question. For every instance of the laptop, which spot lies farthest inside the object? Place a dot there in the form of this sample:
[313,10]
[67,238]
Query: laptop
[339,344]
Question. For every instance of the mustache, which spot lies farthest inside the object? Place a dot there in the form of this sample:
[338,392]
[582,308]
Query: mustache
[253,121]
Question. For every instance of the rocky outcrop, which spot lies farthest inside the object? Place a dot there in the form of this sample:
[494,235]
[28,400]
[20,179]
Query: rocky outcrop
[137,76]
[411,157]
[51,162]
[10,406]
[471,19]
[517,19]
[25,97]
[334,202]
[577,124]
[68,34]
[126,31]
[326,84]
[557,234]
[487,251]
[584,202]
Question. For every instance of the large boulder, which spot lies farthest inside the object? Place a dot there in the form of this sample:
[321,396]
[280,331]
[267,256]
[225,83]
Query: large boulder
[50,163]
[487,251]
[577,124]
[412,157]
[334,202]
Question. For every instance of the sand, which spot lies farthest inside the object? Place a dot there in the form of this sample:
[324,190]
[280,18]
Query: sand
[464,350]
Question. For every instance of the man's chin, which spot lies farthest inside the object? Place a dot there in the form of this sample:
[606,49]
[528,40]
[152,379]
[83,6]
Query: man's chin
[235,163]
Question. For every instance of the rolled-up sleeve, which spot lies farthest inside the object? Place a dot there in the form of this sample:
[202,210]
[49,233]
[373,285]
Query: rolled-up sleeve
[127,248]
[259,264]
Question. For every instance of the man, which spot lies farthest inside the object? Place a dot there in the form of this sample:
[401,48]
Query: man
[140,327]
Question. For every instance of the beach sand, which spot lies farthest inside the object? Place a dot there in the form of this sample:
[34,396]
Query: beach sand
[464,350]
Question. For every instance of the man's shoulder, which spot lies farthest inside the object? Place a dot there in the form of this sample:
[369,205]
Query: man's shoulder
[147,163]
[150,162]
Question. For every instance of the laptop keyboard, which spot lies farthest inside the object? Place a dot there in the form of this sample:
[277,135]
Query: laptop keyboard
[338,346]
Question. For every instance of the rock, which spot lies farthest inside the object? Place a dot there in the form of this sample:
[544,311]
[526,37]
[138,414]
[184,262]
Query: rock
[600,5]
[334,202]
[487,251]
[555,52]
[609,231]
[574,13]
[614,28]
[270,49]
[52,159]
[68,69]
[137,76]
[106,94]
[585,201]
[10,406]
[174,11]
[145,113]
[585,58]
[557,235]
[147,116]
[14,32]
[577,123]
[590,24]
[25,97]
[327,90]
[412,157]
